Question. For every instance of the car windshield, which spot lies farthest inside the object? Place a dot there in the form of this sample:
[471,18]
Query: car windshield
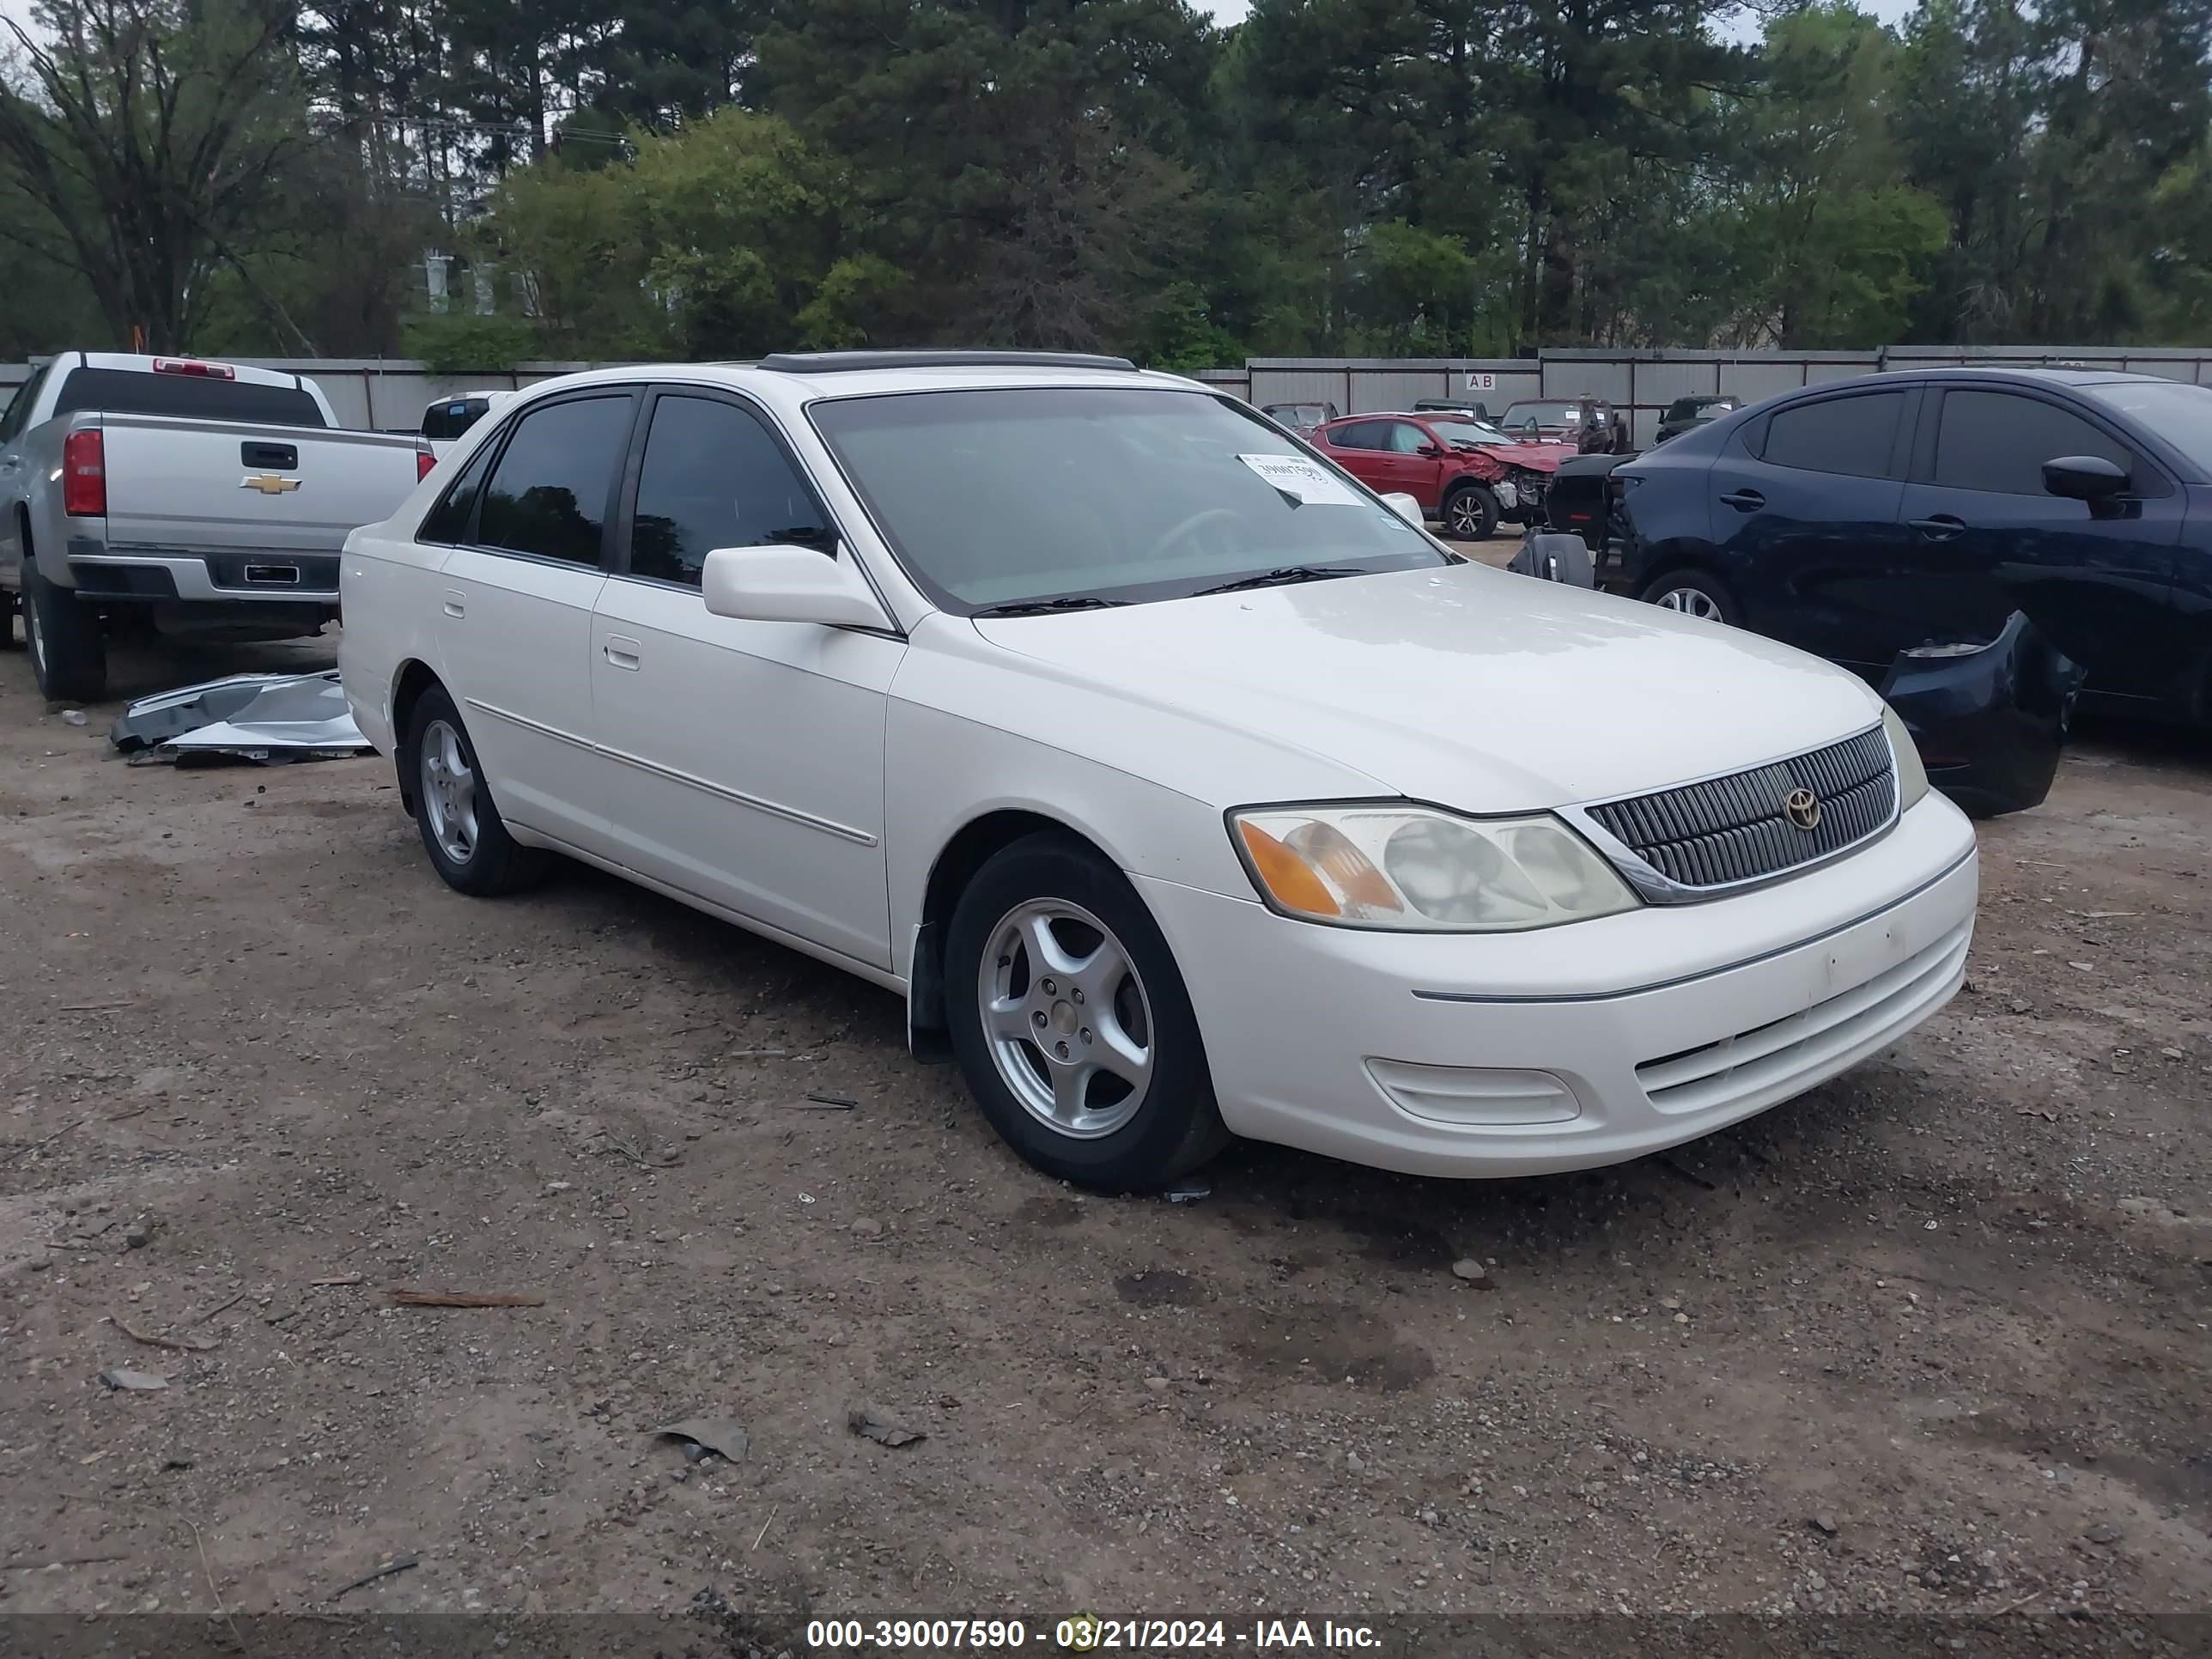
[2179,412]
[1018,497]
[1544,414]
[1469,431]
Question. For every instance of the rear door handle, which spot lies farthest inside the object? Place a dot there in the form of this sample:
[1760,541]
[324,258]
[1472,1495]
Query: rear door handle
[1940,528]
[1744,501]
[455,605]
[623,652]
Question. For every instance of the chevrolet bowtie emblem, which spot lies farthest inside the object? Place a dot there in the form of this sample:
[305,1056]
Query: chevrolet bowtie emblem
[270,484]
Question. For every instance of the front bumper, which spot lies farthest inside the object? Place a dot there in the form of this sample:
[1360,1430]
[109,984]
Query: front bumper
[1572,1047]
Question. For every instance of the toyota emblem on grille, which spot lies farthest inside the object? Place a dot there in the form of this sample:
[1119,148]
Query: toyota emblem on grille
[1802,808]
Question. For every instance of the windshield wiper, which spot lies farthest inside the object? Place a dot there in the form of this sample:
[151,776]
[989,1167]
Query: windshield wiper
[1289,575]
[1039,607]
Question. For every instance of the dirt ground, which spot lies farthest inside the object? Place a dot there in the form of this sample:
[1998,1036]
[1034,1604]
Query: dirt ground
[1931,1339]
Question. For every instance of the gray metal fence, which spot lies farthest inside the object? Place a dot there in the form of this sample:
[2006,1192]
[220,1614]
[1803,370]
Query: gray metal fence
[1646,382]
[390,395]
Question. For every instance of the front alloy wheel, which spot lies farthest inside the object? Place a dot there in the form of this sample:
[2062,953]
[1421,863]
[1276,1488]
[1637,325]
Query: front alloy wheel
[1069,1025]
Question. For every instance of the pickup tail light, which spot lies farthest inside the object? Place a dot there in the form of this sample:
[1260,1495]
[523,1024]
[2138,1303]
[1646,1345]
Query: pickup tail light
[424,461]
[84,475]
[188,366]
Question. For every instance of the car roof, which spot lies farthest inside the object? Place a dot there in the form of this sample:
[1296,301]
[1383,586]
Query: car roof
[2001,374]
[792,381]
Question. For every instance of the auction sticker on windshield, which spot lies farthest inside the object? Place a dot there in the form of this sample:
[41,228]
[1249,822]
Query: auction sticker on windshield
[1303,481]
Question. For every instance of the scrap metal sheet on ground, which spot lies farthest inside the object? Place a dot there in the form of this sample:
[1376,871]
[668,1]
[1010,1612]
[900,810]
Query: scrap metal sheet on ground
[258,717]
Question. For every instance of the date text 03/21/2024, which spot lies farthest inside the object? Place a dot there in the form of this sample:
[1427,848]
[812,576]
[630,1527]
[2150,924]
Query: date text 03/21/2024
[1087,1633]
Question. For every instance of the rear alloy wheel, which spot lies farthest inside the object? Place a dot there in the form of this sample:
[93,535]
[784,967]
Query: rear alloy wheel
[462,831]
[1470,513]
[1071,1021]
[1694,593]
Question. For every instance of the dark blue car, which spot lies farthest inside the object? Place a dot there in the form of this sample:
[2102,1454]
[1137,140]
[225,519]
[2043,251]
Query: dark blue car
[1862,519]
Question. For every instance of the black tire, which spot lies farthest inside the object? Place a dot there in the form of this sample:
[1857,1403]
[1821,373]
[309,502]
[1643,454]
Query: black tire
[1694,592]
[1175,1125]
[1470,513]
[10,603]
[67,642]
[487,861]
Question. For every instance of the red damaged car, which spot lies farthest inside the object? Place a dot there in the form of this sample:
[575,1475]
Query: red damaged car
[1465,473]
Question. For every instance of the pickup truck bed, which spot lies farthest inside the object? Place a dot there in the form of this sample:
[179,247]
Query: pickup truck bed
[195,497]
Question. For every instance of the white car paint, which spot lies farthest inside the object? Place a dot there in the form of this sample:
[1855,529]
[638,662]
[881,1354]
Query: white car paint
[803,781]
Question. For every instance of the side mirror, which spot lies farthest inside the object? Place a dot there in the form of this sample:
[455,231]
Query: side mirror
[1405,506]
[2084,478]
[1431,451]
[789,584]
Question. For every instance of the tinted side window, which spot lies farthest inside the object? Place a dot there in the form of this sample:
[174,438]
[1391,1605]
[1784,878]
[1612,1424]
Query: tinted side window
[189,396]
[714,477]
[1995,442]
[448,522]
[548,495]
[1850,435]
[1360,434]
[19,406]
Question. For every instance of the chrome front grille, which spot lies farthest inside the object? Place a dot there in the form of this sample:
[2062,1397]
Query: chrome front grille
[1726,831]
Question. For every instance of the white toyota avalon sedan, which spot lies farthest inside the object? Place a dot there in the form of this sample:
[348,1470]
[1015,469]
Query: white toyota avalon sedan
[1182,786]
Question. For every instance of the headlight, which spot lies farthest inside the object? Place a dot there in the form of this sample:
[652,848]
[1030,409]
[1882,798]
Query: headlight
[1412,869]
[1912,776]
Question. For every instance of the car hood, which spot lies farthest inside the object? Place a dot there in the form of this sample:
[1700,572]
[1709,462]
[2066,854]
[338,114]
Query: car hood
[1536,456]
[1467,686]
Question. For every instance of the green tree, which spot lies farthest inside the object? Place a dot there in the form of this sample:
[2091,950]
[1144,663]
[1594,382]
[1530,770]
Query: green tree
[1020,163]
[1830,249]
[154,133]
[723,239]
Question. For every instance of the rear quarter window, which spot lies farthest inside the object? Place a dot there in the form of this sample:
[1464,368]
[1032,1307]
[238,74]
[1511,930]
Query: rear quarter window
[186,397]
[1853,436]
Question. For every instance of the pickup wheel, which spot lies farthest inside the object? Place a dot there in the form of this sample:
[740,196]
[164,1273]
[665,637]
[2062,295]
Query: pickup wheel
[68,651]
[1071,1023]
[1470,513]
[462,831]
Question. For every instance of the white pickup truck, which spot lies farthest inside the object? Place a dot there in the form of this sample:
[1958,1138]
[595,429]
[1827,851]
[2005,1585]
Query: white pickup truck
[193,497]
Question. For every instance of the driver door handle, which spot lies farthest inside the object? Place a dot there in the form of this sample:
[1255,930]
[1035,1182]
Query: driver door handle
[1940,528]
[1744,501]
[623,652]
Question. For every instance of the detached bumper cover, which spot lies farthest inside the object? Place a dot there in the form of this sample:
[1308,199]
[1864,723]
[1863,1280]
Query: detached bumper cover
[266,717]
[1989,720]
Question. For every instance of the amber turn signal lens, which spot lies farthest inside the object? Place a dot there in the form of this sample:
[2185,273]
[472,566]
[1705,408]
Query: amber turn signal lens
[1287,878]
